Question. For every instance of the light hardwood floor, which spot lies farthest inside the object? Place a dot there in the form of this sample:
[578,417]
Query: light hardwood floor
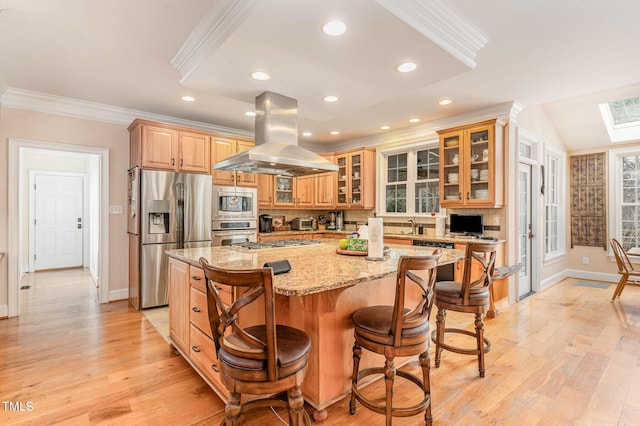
[565,356]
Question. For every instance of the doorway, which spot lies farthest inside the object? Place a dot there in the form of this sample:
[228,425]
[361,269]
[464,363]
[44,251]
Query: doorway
[525,230]
[98,177]
[57,220]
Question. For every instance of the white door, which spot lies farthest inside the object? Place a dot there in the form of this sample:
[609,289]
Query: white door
[59,223]
[525,232]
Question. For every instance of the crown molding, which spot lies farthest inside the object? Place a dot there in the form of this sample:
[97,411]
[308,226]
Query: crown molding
[424,131]
[59,105]
[217,24]
[443,25]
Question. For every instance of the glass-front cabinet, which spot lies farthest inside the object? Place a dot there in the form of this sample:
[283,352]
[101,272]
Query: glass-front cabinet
[284,191]
[356,179]
[471,166]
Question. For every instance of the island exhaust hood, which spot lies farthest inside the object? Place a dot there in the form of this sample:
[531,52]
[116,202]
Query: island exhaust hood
[276,151]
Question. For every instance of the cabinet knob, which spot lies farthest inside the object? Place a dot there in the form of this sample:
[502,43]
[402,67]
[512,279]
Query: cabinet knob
[181,162]
[195,309]
[173,161]
[195,348]
[215,368]
[195,278]
[468,196]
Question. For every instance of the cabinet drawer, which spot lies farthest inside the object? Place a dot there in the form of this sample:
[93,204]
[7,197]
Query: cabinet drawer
[196,278]
[203,354]
[198,313]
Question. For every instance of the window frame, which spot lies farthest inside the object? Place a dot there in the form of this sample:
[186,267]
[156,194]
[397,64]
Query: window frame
[614,189]
[560,190]
[412,178]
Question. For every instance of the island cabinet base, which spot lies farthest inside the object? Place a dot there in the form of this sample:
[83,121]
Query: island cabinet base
[326,318]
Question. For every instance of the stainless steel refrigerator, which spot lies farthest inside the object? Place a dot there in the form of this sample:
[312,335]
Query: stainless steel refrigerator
[167,210]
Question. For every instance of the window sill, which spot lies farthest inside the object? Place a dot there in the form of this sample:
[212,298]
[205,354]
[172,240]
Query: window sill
[554,259]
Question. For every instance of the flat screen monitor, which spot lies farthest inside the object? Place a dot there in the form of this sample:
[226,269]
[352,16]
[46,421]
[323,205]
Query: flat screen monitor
[466,224]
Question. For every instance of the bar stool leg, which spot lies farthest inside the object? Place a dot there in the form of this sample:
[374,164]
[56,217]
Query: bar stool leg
[389,375]
[440,320]
[357,353]
[232,410]
[425,363]
[296,407]
[479,323]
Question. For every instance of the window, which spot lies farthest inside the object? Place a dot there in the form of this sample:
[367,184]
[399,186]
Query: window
[554,172]
[622,119]
[629,208]
[624,196]
[411,183]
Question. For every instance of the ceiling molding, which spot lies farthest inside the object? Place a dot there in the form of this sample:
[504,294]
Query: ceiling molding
[59,105]
[443,25]
[423,131]
[217,24]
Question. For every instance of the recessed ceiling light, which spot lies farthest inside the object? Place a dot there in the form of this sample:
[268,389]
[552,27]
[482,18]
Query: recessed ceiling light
[445,101]
[260,75]
[407,67]
[385,127]
[414,120]
[188,98]
[250,113]
[306,133]
[334,28]
[330,98]
[335,132]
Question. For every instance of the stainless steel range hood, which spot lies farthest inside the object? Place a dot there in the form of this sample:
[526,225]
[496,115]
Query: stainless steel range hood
[276,151]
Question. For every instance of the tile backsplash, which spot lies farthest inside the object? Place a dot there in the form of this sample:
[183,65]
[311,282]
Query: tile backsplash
[492,219]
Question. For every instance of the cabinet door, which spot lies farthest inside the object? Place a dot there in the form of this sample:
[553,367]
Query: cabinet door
[355,179]
[343,181]
[246,179]
[284,191]
[221,149]
[265,190]
[179,303]
[451,186]
[159,148]
[194,150]
[305,190]
[325,190]
[479,172]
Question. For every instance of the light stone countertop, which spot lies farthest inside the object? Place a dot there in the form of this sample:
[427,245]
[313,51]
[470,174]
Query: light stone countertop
[314,268]
[447,238]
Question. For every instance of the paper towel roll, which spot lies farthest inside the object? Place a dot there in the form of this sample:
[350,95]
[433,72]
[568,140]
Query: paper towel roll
[439,226]
[376,240]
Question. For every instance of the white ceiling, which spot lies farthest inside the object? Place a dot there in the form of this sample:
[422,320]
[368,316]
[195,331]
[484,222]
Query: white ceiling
[568,55]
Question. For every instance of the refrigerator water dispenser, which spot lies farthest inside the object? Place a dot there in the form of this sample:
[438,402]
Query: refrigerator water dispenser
[159,216]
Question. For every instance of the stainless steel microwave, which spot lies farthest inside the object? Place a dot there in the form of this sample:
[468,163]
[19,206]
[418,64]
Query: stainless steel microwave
[228,202]
[302,224]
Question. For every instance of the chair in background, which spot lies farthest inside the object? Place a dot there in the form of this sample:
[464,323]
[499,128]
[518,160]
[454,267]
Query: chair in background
[259,359]
[625,268]
[396,331]
[471,295]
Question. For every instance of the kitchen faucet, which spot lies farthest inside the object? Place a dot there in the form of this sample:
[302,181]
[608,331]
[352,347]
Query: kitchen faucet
[413,226]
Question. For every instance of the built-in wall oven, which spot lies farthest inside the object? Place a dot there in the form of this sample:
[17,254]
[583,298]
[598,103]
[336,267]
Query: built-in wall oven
[445,272]
[234,215]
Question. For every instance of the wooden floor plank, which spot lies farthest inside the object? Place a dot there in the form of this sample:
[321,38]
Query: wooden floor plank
[565,356]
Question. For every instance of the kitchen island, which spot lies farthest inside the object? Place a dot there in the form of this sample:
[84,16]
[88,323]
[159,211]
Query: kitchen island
[318,295]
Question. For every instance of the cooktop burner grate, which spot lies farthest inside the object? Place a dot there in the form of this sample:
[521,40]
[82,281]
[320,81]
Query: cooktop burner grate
[275,244]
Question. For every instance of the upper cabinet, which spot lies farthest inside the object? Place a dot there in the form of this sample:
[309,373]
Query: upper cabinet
[472,165]
[223,148]
[156,146]
[356,179]
[324,194]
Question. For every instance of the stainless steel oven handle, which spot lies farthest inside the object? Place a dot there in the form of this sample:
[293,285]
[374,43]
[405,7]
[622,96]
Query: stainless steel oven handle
[232,233]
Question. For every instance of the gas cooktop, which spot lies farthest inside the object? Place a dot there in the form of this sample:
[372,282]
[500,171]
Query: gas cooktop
[275,244]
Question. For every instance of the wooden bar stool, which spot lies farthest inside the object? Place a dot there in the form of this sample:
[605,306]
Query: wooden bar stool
[259,359]
[397,331]
[469,295]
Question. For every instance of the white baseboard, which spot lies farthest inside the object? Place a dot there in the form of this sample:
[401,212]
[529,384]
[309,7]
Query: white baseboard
[4,311]
[575,273]
[121,294]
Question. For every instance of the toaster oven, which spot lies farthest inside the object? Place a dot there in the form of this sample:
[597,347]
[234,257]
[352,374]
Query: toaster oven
[302,224]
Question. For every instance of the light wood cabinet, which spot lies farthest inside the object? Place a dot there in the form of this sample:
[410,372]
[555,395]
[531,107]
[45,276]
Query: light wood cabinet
[179,302]
[356,179]
[285,191]
[164,147]
[325,187]
[222,148]
[471,165]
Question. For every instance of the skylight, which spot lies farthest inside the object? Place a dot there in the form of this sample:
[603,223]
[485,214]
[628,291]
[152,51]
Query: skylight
[622,119]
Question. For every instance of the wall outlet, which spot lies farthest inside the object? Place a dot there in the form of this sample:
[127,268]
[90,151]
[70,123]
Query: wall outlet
[115,209]
[585,260]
